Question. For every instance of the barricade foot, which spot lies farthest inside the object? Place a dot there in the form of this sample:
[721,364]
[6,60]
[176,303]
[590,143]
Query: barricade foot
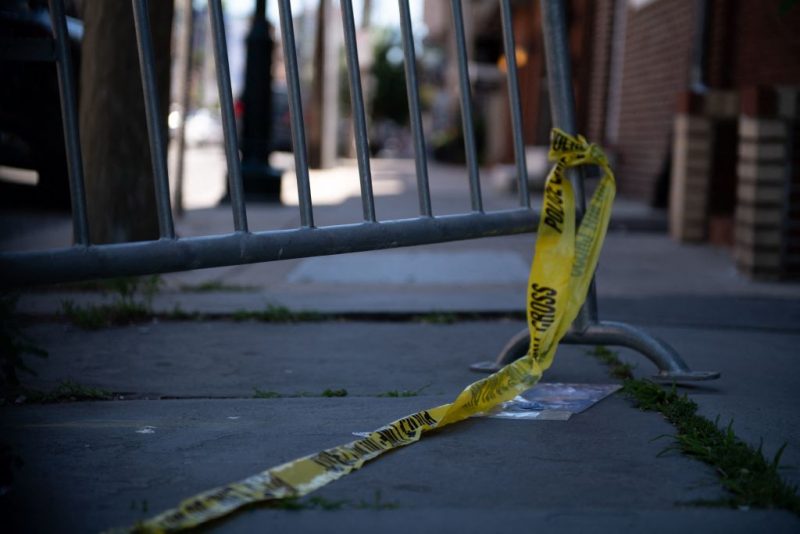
[671,367]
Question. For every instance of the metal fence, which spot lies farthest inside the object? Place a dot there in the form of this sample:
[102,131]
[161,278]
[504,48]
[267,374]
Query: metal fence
[85,260]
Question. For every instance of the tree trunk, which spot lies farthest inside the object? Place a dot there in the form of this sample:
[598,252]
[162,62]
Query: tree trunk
[324,109]
[119,175]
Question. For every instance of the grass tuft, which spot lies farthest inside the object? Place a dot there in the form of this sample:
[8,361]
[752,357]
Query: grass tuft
[68,391]
[436,318]
[394,393]
[213,286]
[179,314]
[266,394]
[277,314]
[618,368]
[94,317]
[132,304]
[334,393]
[269,394]
[749,476]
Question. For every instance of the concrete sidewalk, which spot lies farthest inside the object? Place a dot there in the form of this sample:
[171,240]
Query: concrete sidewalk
[96,463]
[644,270]
[185,419]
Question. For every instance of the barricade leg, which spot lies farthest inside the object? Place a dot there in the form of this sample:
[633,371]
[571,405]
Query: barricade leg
[671,367]
[587,329]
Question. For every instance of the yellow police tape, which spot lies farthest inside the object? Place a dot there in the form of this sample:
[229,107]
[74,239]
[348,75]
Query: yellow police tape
[562,269]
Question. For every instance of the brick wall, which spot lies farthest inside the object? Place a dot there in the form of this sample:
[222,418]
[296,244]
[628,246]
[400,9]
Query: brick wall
[766,44]
[690,188]
[722,43]
[703,170]
[597,97]
[768,192]
[655,70]
[791,249]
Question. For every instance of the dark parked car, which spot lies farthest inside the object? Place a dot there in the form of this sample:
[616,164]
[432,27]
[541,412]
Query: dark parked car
[31,132]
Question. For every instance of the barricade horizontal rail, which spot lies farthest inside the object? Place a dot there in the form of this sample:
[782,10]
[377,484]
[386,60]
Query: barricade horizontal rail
[170,253]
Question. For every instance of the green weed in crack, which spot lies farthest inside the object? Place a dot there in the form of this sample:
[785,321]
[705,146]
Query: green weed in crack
[213,286]
[269,394]
[266,394]
[132,303]
[394,393]
[751,479]
[334,393]
[277,314]
[436,318]
[67,391]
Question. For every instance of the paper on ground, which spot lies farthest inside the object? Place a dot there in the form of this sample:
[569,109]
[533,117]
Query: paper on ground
[553,401]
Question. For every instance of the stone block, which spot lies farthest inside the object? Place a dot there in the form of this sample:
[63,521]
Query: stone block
[761,172]
[758,216]
[787,102]
[758,128]
[756,193]
[693,125]
[748,236]
[764,151]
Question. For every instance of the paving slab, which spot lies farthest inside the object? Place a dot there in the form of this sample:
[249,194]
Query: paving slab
[234,359]
[230,359]
[97,465]
[758,388]
[95,469]
[561,521]
[740,312]
[226,358]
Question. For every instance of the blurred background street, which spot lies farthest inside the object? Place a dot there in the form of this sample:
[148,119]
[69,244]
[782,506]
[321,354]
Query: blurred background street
[205,376]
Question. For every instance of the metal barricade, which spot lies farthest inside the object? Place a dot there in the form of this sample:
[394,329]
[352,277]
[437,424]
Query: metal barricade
[85,260]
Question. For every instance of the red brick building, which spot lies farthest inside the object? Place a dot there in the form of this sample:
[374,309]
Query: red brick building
[697,101]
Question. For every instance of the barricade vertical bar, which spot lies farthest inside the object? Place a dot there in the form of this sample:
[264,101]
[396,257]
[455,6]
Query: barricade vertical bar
[296,114]
[77,191]
[412,89]
[228,121]
[562,104]
[359,118]
[586,329]
[466,108]
[516,108]
[155,135]
[559,79]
